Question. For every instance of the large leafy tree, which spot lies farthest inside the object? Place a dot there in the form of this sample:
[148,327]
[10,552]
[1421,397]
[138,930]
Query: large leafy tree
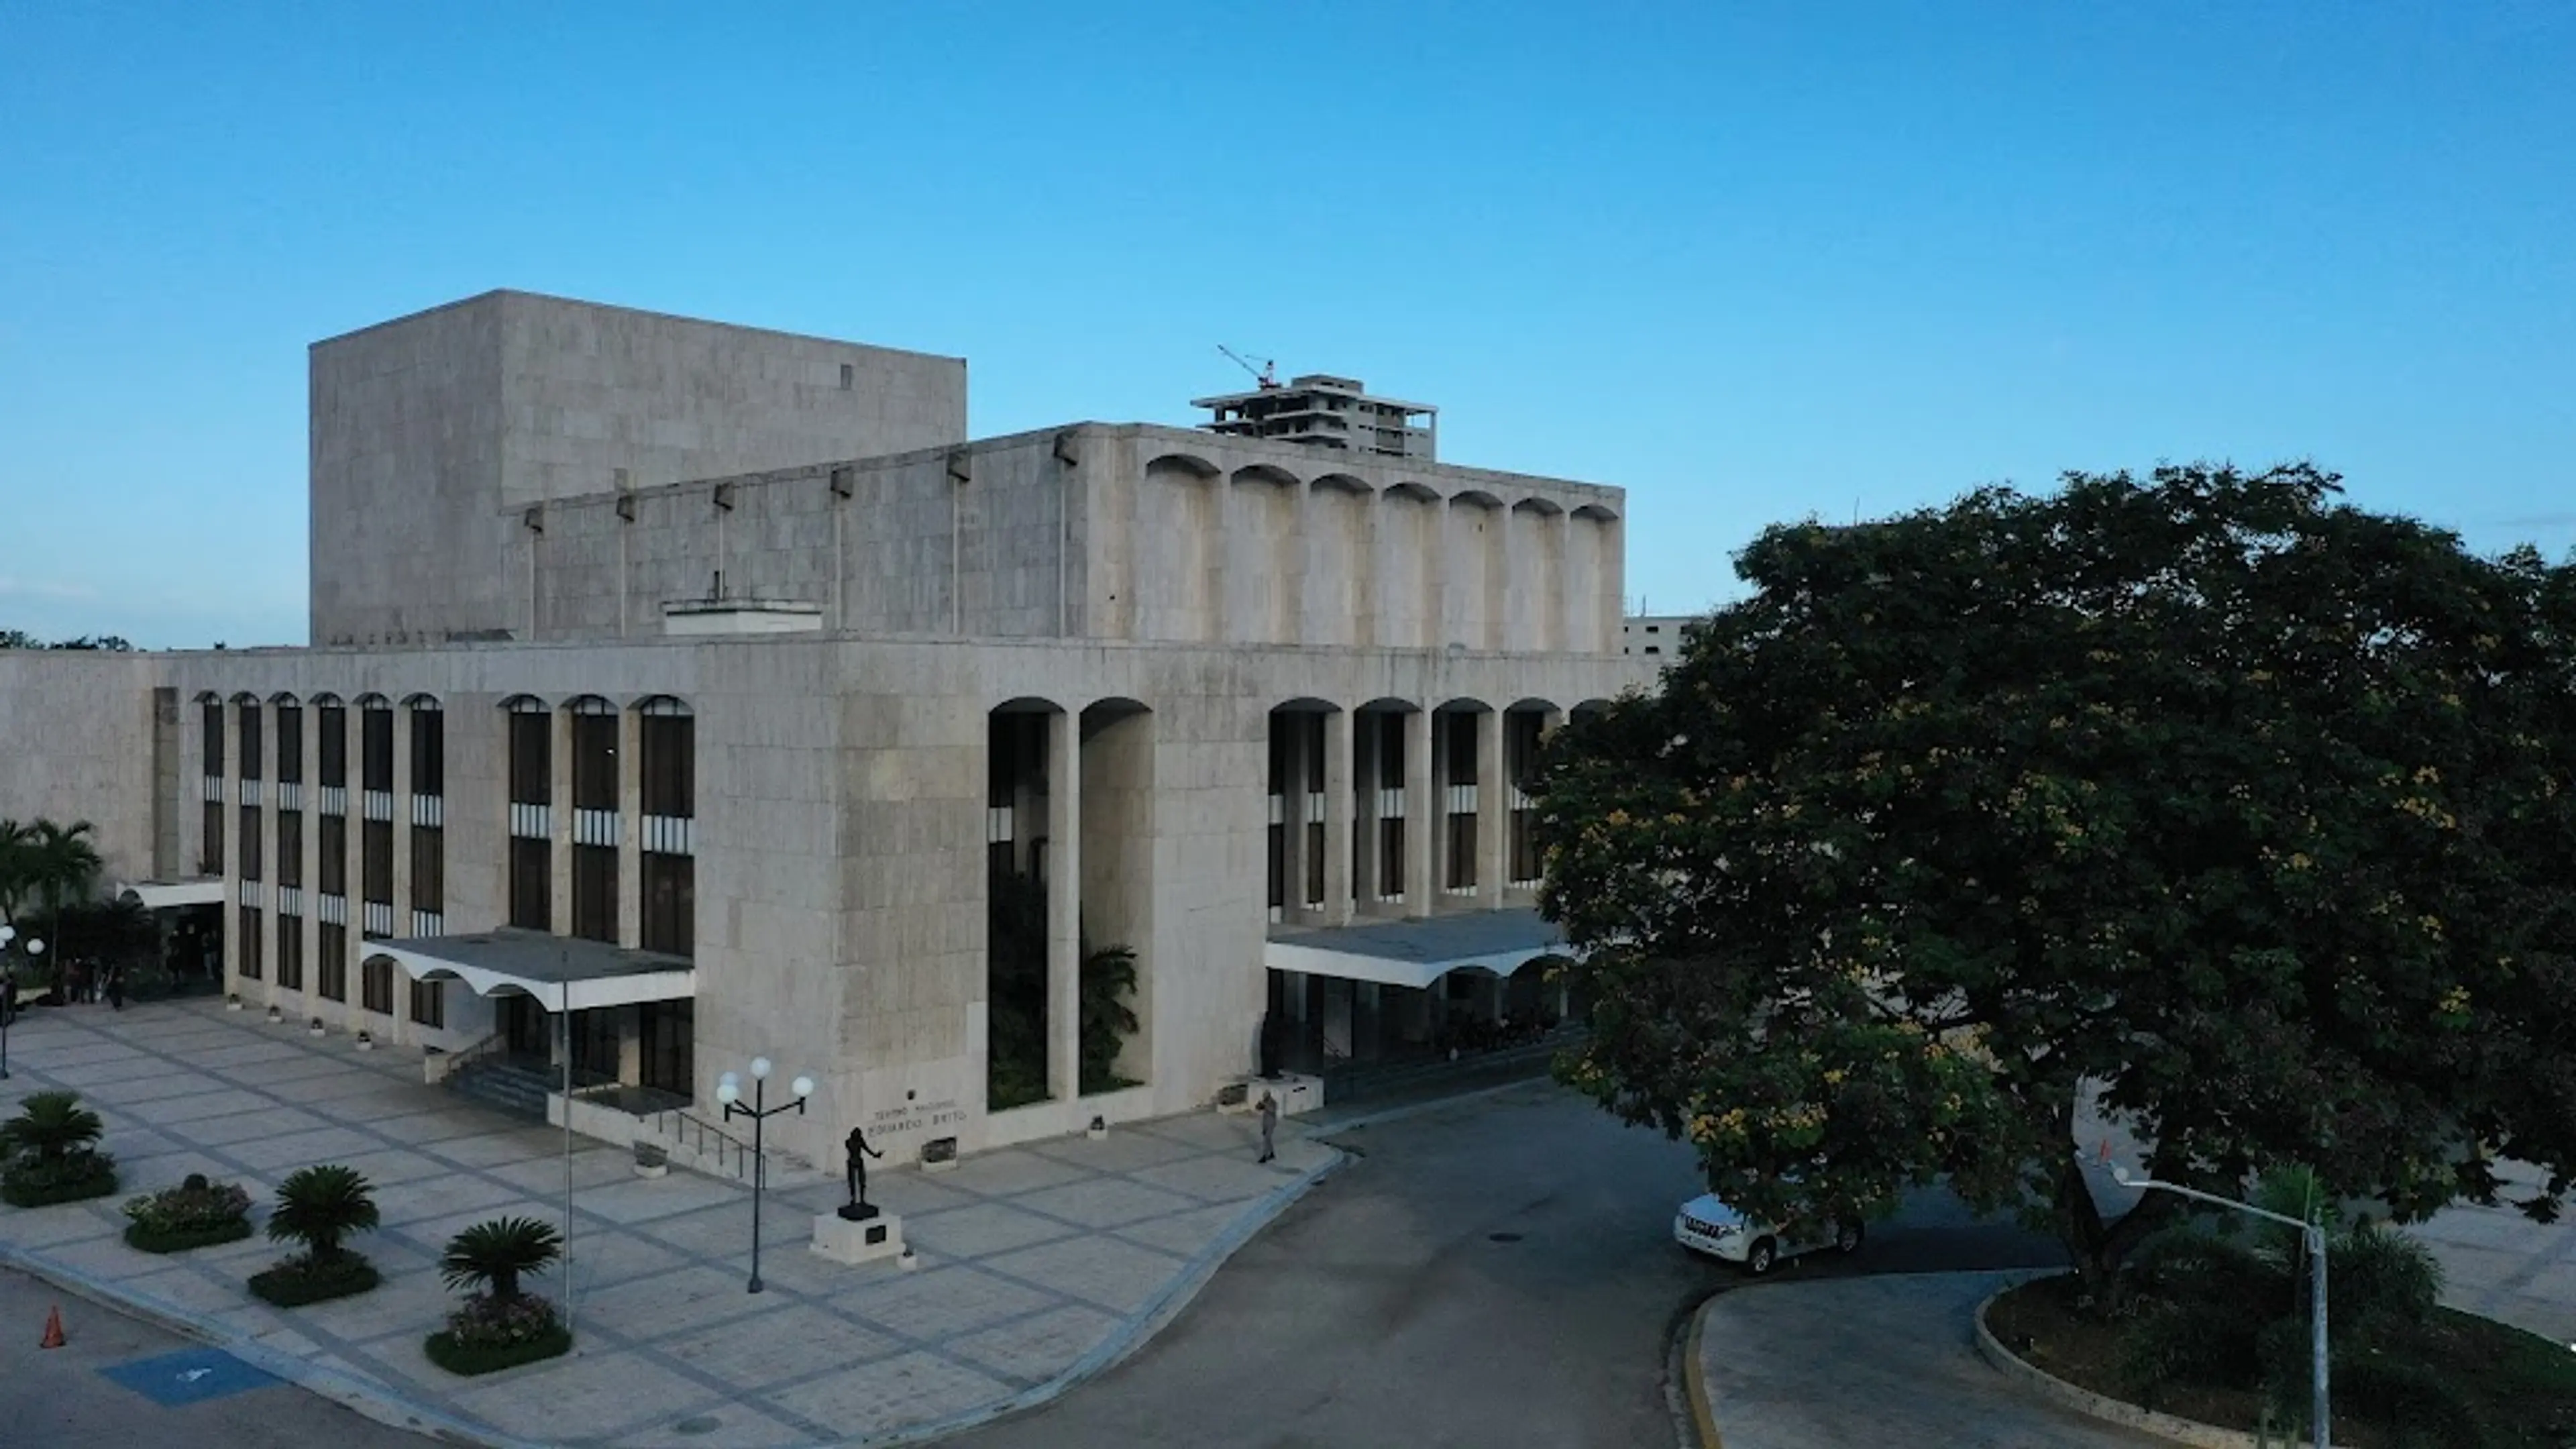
[2246,808]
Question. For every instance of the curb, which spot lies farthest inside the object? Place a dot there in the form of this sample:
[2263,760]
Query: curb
[1703,1403]
[2043,1384]
[363,1397]
[373,1401]
[1335,1126]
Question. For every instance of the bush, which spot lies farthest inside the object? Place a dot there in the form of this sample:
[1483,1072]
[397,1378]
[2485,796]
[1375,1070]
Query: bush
[2418,1403]
[33,1182]
[489,1334]
[300,1280]
[2382,1283]
[194,1204]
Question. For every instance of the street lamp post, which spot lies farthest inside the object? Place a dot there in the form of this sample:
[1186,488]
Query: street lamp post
[2315,1235]
[729,1092]
[34,948]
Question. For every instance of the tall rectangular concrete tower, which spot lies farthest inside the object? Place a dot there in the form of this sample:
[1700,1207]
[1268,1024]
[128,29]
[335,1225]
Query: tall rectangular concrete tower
[438,438]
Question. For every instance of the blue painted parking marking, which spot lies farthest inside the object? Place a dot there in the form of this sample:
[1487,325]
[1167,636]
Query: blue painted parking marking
[190,1376]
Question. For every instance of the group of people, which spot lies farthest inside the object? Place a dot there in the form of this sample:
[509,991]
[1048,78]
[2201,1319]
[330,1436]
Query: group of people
[81,982]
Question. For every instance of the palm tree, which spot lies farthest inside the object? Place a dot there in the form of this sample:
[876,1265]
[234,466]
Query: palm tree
[66,863]
[17,867]
[50,1127]
[497,1252]
[320,1205]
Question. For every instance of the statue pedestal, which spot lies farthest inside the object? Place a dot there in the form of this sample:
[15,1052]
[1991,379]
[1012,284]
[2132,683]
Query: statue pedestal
[861,1240]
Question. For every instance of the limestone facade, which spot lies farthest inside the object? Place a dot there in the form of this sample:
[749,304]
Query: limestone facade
[1206,643]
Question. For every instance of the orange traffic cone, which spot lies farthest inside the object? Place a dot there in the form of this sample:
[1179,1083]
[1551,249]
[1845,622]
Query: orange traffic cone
[53,1328]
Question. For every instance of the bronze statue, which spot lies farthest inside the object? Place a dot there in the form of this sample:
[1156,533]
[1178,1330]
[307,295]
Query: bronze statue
[858,1209]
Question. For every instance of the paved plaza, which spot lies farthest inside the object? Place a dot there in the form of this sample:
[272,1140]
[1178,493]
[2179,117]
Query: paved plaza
[1038,1265]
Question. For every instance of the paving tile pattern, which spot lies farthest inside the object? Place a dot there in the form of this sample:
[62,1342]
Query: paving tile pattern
[1032,1259]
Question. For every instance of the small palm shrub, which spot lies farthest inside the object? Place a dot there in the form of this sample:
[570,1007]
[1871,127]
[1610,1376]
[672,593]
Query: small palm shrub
[320,1208]
[49,1153]
[503,1325]
[195,1214]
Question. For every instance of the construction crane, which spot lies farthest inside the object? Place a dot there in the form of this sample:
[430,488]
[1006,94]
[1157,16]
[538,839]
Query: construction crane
[1266,375]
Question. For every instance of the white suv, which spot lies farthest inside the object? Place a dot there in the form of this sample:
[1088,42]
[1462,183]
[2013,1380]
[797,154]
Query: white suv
[1705,1225]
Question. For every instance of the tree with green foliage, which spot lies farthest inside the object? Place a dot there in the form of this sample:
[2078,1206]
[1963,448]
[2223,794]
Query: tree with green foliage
[322,1207]
[2246,808]
[1108,985]
[499,1253]
[50,1128]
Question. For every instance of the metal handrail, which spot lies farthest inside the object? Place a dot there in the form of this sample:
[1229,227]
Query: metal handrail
[693,1132]
[458,1060]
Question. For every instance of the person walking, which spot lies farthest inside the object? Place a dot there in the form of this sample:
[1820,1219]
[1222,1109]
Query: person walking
[1269,1127]
[116,987]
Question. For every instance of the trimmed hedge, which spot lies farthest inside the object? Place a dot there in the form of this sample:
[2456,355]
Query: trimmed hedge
[294,1283]
[180,1240]
[28,1184]
[468,1360]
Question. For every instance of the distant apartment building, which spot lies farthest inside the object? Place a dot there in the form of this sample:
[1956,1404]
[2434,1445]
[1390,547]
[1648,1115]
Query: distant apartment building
[1317,411]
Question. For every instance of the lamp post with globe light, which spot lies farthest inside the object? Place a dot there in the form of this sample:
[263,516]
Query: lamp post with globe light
[729,1092]
[34,948]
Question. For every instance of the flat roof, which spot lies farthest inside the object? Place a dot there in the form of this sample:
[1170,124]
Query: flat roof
[562,971]
[1417,952]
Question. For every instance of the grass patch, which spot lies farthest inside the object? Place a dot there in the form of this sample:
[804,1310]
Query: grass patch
[30,1184]
[296,1282]
[180,1240]
[470,1359]
[2454,1380]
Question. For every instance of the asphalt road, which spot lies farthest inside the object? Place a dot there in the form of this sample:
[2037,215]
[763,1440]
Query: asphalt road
[59,1399]
[1495,1272]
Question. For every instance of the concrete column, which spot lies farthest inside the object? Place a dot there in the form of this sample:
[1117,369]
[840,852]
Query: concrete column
[559,789]
[230,765]
[268,866]
[403,1029]
[309,869]
[1368,766]
[1064,905]
[1421,813]
[1337,818]
[630,828]
[1290,731]
[353,864]
[1436,574]
[1224,615]
[1560,609]
[1511,596]
[1493,810]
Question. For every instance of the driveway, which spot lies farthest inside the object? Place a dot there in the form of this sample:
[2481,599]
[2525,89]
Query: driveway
[1497,1271]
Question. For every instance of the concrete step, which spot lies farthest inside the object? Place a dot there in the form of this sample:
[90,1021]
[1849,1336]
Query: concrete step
[503,1087]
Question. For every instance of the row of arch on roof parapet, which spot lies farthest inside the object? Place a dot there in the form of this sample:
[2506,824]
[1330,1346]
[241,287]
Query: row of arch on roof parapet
[658,704]
[1276,476]
[1038,704]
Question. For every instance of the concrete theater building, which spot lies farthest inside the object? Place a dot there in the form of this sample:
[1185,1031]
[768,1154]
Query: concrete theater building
[682,693]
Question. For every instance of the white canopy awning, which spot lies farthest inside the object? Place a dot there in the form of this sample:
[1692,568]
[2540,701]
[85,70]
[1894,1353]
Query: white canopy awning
[563,973]
[1416,953]
[163,894]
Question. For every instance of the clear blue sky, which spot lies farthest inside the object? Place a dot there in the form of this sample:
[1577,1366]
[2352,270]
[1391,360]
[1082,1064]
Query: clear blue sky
[1750,261]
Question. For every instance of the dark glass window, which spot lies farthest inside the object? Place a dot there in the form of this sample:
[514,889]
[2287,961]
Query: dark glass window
[669,769]
[429,1003]
[290,849]
[428,752]
[290,952]
[670,1033]
[376,749]
[250,943]
[211,861]
[211,725]
[532,778]
[290,744]
[1390,858]
[428,869]
[594,892]
[594,762]
[670,922]
[250,864]
[376,986]
[333,848]
[247,715]
[332,944]
[333,722]
[532,884]
[376,869]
